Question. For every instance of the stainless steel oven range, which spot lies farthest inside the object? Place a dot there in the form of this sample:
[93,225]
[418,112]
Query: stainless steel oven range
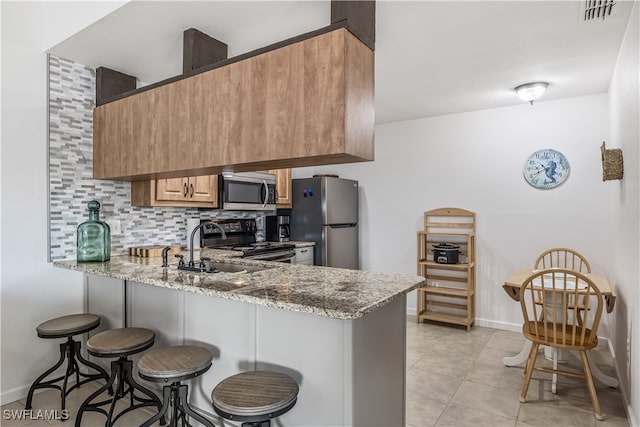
[241,236]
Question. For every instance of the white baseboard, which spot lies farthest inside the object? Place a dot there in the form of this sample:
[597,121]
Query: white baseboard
[505,326]
[15,394]
[630,414]
[514,327]
[20,393]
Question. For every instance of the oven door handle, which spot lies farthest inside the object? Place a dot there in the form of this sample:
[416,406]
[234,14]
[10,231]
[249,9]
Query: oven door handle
[277,257]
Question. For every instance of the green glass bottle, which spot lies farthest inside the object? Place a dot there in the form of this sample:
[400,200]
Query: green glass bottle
[94,237]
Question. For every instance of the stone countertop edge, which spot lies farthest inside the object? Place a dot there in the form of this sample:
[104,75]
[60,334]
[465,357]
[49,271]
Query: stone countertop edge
[328,292]
[300,244]
[297,243]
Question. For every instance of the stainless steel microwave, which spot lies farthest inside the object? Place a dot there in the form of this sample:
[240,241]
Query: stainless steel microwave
[247,191]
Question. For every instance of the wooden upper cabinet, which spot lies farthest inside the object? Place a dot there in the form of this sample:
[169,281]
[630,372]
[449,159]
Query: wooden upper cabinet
[307,103]
[172,189]
[199,192]
[203,188]
[283,187]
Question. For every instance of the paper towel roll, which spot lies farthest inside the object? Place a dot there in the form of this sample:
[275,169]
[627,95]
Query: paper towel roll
[191,224]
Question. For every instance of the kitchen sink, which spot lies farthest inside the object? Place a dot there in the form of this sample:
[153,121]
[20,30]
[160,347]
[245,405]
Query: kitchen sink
[235,268]
[219,267]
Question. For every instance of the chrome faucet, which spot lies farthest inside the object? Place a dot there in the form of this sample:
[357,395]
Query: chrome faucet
[192,266]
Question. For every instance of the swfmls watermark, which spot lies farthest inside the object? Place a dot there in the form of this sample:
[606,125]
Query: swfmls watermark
[39,414]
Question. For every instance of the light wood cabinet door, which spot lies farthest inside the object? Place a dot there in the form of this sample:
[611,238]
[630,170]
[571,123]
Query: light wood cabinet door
[283,187]
[195,191]
[172,189]
[202,189]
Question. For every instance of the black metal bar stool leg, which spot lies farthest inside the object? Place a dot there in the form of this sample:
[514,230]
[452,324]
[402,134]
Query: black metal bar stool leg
[152,400]
[102,373]
[120,371]
[49,384]
[67,327]
[184,403]
[88,406]
[71,351]
[166,395]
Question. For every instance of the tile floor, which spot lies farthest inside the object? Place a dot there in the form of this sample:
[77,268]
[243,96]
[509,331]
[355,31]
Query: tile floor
[454,378]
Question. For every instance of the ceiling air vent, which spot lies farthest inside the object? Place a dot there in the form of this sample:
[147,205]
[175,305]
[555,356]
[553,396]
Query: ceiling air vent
[597,9]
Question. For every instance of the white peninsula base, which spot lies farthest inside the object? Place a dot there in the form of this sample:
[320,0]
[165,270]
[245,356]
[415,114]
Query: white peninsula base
[350,372]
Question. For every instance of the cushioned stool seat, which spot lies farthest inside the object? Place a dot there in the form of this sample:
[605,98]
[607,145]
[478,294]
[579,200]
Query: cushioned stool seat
[175,364]
[67,327]
[119,343]
[255,396]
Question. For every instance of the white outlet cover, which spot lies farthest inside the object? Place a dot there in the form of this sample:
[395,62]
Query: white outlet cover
[115,226]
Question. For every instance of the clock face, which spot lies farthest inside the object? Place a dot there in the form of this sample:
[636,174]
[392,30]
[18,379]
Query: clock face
[546,168]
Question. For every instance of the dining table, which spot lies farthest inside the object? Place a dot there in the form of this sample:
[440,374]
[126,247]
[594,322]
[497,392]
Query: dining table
[512,287]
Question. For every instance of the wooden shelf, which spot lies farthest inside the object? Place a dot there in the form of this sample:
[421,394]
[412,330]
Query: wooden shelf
[458,227]
[443,317]
[437,265]
[443,290]
[424,232]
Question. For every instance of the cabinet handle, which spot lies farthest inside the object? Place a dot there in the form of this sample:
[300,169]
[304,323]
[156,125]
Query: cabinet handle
[186,189]
[191,185]
[304,250]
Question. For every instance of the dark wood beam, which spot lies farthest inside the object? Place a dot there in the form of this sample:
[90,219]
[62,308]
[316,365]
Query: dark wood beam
[110,83]
[360,16]
[200,50]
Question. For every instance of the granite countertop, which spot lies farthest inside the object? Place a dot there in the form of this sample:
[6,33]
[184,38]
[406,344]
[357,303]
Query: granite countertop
[330,292]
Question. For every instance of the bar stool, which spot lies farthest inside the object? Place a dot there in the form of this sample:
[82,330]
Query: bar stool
[120,343]
[175,364]
[254,397]
[61,327]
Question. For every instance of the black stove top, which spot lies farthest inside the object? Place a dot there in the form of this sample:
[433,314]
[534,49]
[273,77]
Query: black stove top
[241,236]
[258,247]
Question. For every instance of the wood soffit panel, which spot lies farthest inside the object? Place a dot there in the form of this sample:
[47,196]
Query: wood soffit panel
[341,24]
[326,117]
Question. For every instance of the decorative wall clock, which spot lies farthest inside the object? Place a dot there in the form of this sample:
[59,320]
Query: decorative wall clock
[546,168]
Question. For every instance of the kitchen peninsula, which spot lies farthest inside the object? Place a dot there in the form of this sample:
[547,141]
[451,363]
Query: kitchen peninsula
[340,333]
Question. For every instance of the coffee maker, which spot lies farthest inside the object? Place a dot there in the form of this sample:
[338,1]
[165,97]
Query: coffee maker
[277,228]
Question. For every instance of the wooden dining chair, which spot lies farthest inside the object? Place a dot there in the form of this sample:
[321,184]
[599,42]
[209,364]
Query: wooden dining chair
[563,258]
[559,326]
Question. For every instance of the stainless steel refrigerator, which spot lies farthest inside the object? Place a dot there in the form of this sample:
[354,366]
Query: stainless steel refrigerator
[325,211]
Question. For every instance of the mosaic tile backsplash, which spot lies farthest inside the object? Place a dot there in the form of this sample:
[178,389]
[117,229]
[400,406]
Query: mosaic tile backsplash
[71,103]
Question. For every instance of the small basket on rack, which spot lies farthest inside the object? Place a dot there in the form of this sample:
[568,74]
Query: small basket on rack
[612,166]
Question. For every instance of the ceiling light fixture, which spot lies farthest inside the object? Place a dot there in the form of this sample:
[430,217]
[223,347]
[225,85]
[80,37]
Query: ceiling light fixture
[531,91]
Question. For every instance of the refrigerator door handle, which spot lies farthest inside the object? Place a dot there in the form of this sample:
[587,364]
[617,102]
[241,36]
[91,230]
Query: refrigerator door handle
[266,193]
[342,225]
